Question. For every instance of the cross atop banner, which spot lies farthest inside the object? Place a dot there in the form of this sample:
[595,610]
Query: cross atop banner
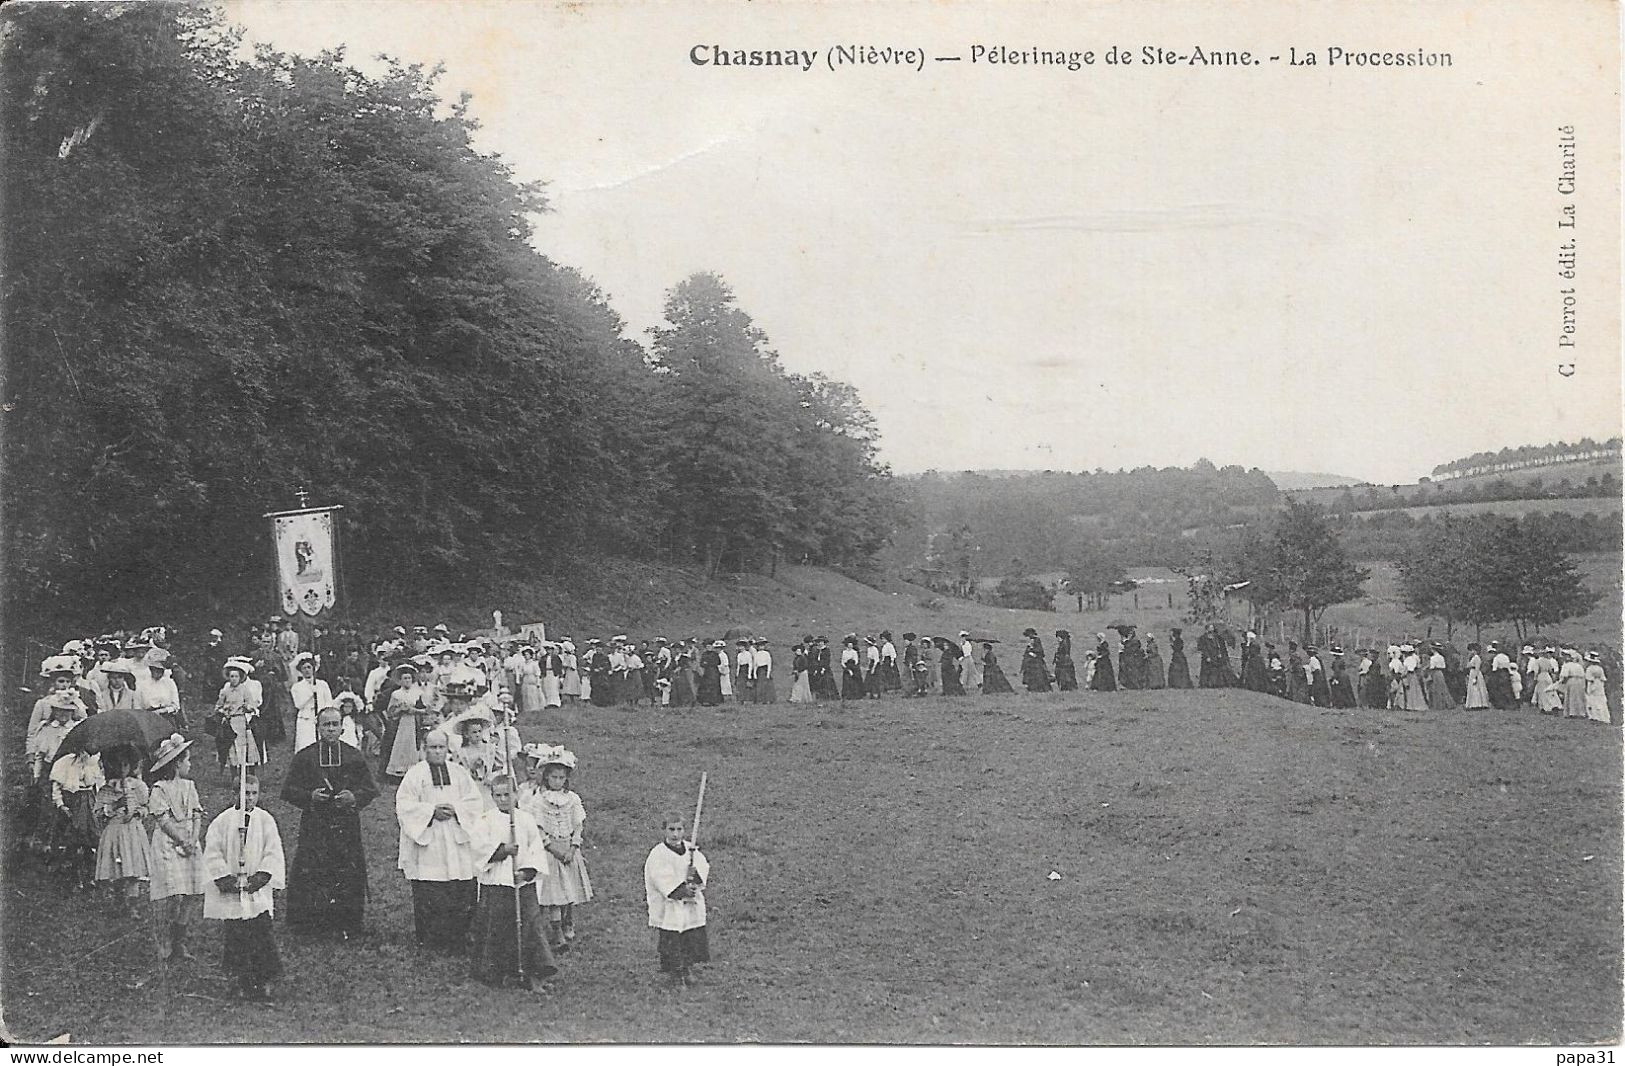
[306,559]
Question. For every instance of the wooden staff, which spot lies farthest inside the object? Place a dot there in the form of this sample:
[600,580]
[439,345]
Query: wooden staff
[242,831]
[513,842]
[694,834]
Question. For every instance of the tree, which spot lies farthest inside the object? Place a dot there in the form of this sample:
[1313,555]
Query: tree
[1091,567]
[1435,575]
[1302,565]
[1537,586]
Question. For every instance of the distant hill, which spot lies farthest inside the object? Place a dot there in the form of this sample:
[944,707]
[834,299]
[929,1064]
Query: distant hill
[1297,481]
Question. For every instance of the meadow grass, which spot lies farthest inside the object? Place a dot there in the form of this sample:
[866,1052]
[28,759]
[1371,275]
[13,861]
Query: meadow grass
[1232,869]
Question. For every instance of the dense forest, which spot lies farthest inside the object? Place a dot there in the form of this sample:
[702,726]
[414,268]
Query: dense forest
[229,275]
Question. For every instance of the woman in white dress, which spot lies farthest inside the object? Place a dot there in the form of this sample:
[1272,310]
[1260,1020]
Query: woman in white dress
[311,695]
[1478,694]
[1572,680]
[528,676]
[552,670]
[1596,689]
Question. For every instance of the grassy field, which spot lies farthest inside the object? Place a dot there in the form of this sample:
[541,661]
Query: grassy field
[1574,473]
[1378,613]
[1232,869]
[1507,508]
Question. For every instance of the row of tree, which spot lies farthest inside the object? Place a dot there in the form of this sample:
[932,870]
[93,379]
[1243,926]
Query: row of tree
[230,275]
[1485,490]
[1529,455]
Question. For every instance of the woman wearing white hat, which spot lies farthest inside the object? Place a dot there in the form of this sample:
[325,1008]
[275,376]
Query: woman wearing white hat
[1596,689]
[311,695]
[121,675]
[1572,680]
[238,706]
[156,691]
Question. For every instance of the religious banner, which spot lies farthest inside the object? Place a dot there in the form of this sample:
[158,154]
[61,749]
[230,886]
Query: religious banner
[306,562]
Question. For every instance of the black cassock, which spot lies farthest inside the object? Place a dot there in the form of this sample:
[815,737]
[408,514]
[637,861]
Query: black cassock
[327,887]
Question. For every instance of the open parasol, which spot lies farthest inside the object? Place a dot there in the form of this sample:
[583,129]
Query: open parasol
[737,632]
[143,730]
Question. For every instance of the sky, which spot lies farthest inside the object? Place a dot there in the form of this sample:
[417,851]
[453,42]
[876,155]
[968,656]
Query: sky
[1334,269]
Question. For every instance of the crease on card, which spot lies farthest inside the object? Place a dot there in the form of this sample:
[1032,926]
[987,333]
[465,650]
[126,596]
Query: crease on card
[651,169]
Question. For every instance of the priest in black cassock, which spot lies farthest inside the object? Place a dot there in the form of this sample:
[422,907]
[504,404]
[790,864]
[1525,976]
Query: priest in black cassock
[329,781]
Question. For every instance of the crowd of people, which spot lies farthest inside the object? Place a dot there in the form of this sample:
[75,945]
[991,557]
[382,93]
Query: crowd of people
[490,832]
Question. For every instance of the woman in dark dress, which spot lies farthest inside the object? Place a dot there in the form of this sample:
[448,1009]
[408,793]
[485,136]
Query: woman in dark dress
[1034,670]
[1131,663]
[682,678]
[821,674]
[1105,679]
[1179,671]
[951,683]
[994,683]
[1254,670]
[851,671]
[1066,672]
[1155,675]
[710,688]
[1342,690]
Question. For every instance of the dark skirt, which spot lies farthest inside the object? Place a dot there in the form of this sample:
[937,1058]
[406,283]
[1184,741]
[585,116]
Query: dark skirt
[1179,671]
[1438,692]
[1066,675]
[682,688]
[710,690]
[679,951]
[851,683]
[994,683]
[1105,680]
[1155,675]
[248,951]
[951,685]
[1342,691]
[493,959]
[1033,675]
[1376,690]
[327,886]
[441,911]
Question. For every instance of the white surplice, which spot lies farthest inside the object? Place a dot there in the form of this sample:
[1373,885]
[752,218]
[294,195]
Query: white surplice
[263,854]
[431,850]
[663,871]
[492,829]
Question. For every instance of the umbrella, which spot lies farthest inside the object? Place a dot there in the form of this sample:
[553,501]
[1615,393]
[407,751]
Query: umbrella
[983,638]
[736,632]
[1123,628]
[143,730]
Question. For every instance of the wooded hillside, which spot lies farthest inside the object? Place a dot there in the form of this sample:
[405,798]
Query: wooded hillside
[227,277]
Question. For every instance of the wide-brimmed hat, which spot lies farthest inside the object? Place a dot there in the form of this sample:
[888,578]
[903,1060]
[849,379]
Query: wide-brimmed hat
[237,662]
[1593,657]
[169,751]
[476,713]
[59,664]
[127,667]
[559,755]
[157,658]
[304,657]
[405,664]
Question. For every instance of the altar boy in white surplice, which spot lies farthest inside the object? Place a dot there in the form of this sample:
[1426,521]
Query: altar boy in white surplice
[674,879]
[243,876]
